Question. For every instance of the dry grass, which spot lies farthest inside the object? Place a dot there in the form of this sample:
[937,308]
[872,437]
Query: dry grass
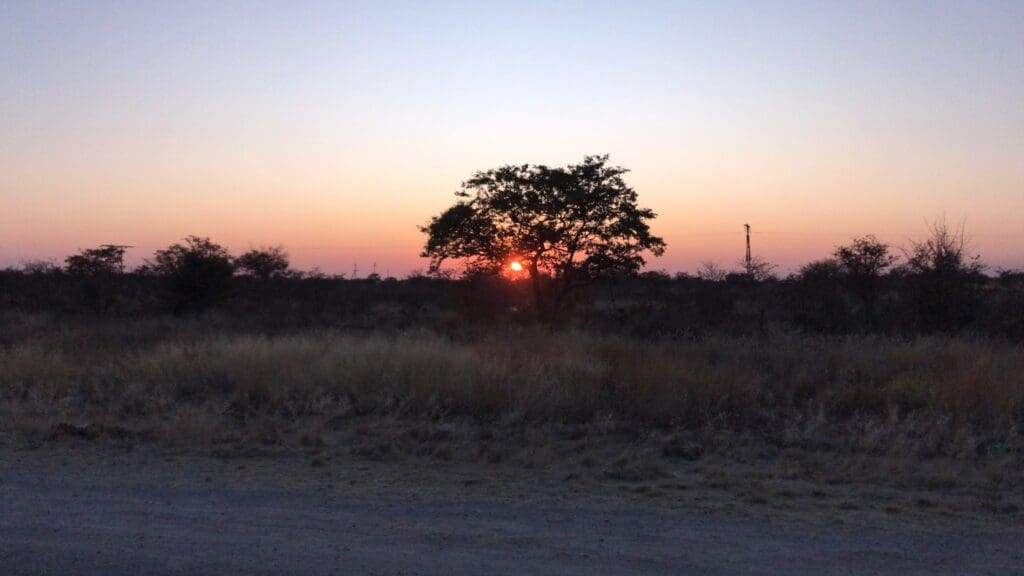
[778,415]
[764,385]
[925,397]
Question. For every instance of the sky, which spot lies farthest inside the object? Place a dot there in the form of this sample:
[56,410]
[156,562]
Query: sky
[337,128]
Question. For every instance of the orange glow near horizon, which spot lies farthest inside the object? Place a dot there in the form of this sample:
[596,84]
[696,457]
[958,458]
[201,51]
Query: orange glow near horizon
[515,266]
[338,131]
[376,222]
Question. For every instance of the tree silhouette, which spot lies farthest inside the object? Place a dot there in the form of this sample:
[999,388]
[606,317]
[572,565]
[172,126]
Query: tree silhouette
[264,263]
[863,262]
[197,273]
[758,269]
[711,272]
[108,259]
[95,270]
[942,278]
[570,224]
[817,296]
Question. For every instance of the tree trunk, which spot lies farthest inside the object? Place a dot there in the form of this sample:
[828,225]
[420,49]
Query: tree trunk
[538,293]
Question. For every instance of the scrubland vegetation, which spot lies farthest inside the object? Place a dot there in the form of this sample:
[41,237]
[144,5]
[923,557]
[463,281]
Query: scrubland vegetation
[859,368]
[868,405]
[777,386]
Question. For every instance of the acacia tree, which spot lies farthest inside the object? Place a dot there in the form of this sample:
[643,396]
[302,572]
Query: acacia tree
[107,260]
[95,269]
[863,262]
[571,224]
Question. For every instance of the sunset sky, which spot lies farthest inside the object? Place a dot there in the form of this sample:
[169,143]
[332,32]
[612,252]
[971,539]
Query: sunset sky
[335,128]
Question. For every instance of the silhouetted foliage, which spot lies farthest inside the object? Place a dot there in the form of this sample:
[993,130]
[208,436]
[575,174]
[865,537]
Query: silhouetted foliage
[197,274]
[571,224]
[758,269]
[656,275]
[817,297]
[940,287]
[1010,275]
[828,270]
[942,279]
[106,260]
[863,262]
[264,263]
[95,271]
[712,272]
[40,267]
[817,300]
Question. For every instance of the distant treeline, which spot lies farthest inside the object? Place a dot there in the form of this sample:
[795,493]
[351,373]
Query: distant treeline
[864,287]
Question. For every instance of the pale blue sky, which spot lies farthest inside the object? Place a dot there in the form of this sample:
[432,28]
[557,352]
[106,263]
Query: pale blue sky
[337,127]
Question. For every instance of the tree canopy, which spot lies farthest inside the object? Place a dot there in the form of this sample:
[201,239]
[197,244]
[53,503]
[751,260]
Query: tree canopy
[571,224]
[105,260]
[264,263]
[197,273]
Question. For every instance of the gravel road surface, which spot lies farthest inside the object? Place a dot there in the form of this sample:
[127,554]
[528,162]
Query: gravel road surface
[90,519]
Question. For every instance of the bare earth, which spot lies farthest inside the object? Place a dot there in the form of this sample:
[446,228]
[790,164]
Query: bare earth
[89,511]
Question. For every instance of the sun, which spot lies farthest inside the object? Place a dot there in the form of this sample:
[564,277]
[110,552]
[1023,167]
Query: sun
[516,266]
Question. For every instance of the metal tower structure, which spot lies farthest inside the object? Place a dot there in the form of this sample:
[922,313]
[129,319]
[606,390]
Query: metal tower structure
[747,260]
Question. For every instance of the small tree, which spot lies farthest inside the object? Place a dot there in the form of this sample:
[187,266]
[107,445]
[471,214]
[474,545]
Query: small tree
[264,263]
[197,273]
[826,270]
[942,278]
[817,300]
[758,269]
[96,269]
[106,260]
[569,225]
[862,263]
[712,272]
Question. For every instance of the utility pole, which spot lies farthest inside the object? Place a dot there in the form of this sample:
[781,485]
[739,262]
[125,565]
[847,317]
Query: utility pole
[355,270]
[749,263]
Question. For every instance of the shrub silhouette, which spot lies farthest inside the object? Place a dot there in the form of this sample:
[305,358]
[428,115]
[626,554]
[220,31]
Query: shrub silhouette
[758,269]
[862,263]
[40,268]
[106,260]
[95,271]
[712,272]
[264,263]
[816,299]
[942,280]
[196,274]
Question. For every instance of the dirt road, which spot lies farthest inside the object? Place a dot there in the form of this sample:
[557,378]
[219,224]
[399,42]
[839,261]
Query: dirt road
[88,516]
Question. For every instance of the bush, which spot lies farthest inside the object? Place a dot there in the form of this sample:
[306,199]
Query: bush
[942,280]
[264,263]
[95,271]
[197,275]
[816,298]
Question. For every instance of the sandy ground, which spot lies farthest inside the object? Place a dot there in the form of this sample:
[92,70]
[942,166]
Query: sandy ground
[97,510]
